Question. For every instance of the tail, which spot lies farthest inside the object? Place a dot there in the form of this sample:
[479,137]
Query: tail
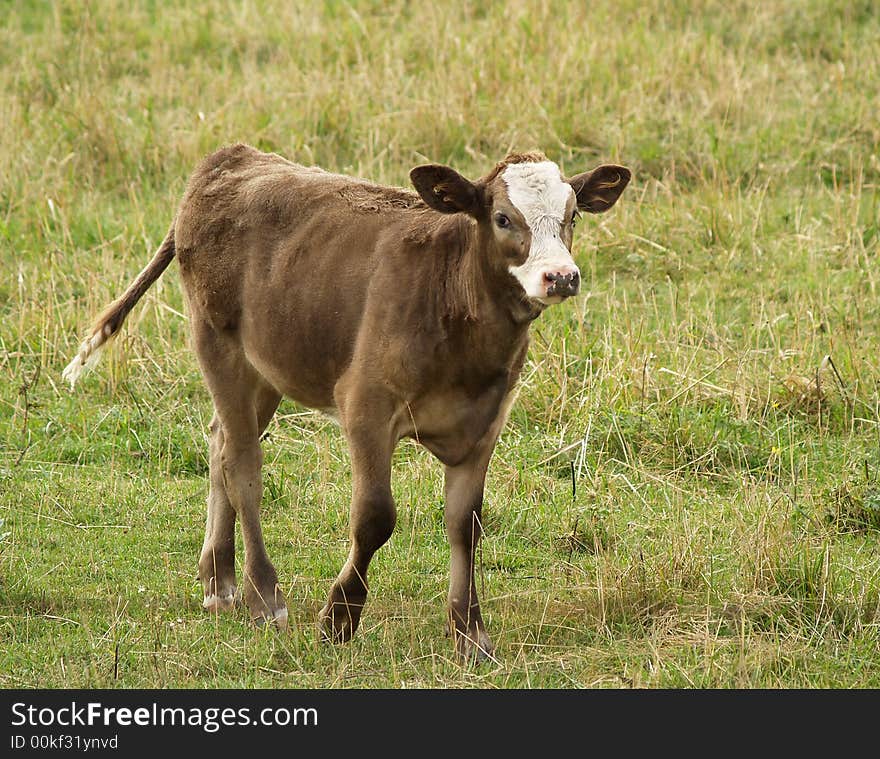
[108,323]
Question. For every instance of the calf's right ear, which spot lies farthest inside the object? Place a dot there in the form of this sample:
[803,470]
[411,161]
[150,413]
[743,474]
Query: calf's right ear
[444,189]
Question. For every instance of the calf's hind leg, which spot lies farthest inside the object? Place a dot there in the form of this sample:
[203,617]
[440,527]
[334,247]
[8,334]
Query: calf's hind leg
[217,561]
[243,404]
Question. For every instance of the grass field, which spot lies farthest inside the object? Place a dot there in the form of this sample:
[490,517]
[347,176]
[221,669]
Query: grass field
[688,490]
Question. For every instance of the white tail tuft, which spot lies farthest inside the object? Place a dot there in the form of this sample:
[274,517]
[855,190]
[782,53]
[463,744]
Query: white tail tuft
[88,356]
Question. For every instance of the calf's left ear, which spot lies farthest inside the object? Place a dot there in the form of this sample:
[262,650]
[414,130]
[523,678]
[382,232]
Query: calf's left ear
[444,189]
[599,189]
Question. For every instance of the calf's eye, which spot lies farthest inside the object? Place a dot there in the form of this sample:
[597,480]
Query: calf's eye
[502,221]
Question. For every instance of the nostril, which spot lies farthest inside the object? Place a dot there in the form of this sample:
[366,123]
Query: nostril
[564,282]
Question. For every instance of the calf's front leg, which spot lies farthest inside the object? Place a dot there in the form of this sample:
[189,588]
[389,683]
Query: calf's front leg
[372,520]
[464,502]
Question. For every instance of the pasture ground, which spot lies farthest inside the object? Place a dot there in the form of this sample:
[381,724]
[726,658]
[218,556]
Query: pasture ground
[688,491]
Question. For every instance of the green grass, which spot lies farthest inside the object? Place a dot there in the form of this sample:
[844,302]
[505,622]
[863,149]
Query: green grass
[688,491]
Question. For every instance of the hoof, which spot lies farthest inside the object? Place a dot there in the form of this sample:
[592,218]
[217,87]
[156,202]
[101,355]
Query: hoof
[217,603]
[336,626]
[277,619]
[265,602]
[474,648]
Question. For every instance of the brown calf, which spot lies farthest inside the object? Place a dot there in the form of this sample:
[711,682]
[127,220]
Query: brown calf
[401,315]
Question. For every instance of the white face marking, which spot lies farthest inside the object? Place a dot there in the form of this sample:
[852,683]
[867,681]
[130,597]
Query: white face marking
[539,193]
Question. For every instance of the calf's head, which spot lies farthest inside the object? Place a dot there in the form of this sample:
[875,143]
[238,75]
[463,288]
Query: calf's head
[526,211]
